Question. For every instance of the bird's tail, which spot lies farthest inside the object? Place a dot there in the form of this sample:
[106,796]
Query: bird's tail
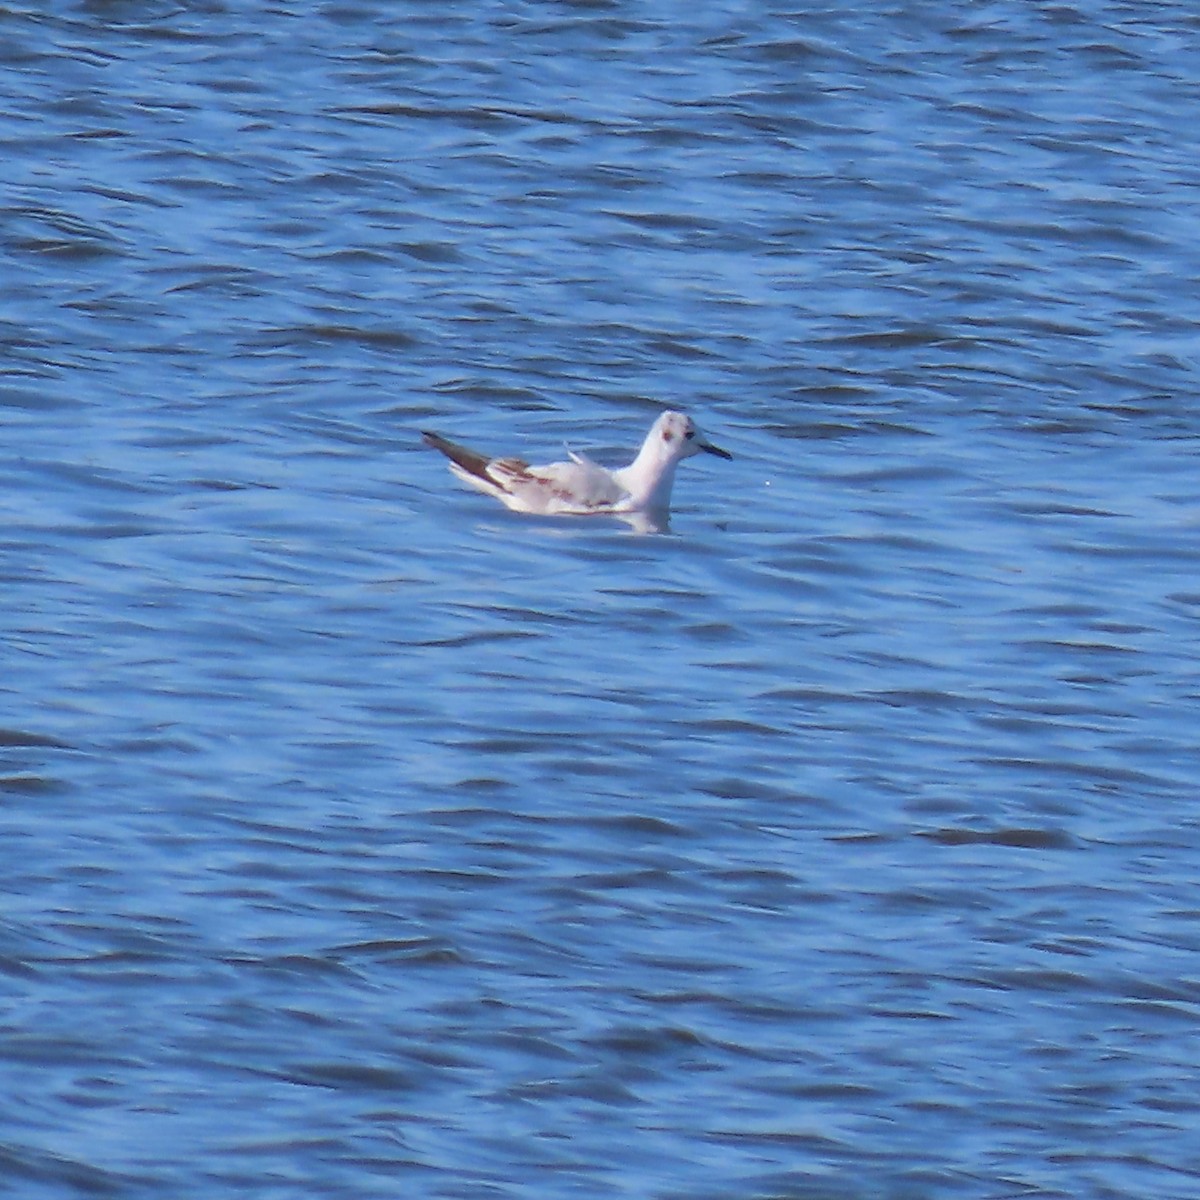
[470,461]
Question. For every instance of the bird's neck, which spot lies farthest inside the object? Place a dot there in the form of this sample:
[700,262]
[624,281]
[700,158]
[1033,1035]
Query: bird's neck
[649,478]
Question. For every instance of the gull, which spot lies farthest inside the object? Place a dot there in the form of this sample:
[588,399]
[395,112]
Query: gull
[639,493]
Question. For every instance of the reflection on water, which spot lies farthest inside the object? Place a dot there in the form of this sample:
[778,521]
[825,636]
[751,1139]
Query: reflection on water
[363,836]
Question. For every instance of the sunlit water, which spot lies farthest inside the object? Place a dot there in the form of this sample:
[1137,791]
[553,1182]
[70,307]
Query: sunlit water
[360,838]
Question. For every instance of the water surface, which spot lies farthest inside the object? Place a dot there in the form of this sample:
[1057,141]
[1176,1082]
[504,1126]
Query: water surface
[363,839]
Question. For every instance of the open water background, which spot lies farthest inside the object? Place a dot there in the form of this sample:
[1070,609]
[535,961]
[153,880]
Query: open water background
[361,839]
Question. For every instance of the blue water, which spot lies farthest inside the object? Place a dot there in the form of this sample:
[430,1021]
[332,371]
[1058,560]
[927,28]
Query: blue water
[360,838]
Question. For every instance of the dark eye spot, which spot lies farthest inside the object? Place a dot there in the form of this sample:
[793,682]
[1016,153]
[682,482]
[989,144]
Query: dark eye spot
[691,433]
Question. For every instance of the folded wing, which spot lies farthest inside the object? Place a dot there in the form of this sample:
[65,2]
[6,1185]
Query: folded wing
[578,487]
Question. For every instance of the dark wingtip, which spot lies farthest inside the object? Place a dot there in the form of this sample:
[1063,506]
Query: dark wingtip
[470,460]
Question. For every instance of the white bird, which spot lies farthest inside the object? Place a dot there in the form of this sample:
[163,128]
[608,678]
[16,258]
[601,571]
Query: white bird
[640,493]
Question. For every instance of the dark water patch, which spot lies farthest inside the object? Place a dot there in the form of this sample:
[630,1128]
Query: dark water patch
[467,640]
[381,339]
[52,232]
[896,339]
[30,785]
[1022,839]
[636,827]
[40,1168]
[28,738]
[228,279]
[1091,774]
[51,1051]
[653,1043]
[355,1078]
[1034,981]
[295,966]
[738,788]
[395,950]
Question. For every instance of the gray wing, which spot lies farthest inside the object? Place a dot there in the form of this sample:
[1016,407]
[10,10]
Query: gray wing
[577,487]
